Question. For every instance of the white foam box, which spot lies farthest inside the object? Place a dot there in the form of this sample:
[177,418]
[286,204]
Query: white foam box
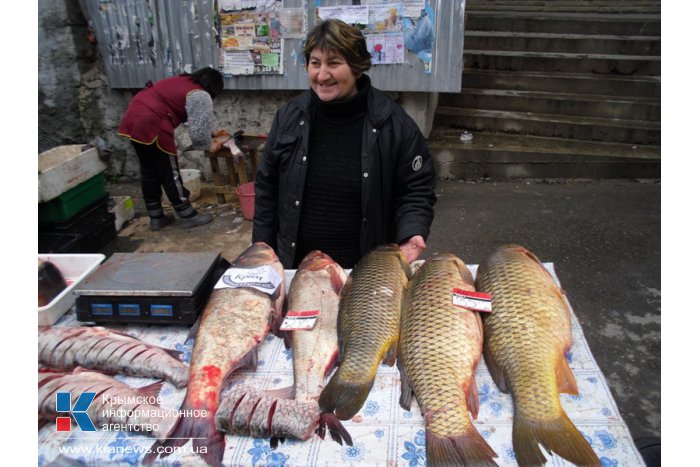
[123,210]
[65,167]
[74,268]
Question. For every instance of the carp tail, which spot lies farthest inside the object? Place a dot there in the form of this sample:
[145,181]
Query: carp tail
[559,436]
[336,429]
[468,449]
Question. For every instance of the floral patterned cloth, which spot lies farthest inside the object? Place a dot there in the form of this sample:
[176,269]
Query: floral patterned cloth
[382,432]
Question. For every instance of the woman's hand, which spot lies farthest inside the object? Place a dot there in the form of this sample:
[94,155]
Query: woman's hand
[215,147]
[220,132]
[413,247]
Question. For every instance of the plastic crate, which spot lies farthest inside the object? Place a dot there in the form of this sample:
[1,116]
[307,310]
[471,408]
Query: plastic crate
[83,221]
[91,241]
[70,203]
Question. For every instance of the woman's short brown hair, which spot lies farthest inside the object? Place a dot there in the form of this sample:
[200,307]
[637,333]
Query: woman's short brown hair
[334,35]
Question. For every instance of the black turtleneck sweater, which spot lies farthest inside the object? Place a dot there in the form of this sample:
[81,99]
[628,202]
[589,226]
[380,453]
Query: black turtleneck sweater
[331,207]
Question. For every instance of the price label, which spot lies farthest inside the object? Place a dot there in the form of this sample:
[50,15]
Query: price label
[475,301]
[299,320]
[263,278]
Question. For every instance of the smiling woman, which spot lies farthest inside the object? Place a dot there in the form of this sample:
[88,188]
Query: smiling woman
[345,169]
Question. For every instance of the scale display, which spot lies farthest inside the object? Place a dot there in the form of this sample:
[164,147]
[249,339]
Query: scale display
[149,288]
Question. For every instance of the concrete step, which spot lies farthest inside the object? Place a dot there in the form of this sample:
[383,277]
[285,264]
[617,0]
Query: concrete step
[590,6]
[560,103]
[608,85]
[634,24]
[503,156]
[549,125]
[599,44]
[646,65]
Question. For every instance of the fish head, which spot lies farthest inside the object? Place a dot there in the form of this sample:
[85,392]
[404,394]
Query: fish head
[315,261]
[318,261]
[257,254]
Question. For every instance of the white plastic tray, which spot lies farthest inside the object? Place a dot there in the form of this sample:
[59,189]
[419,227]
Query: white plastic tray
[75,268]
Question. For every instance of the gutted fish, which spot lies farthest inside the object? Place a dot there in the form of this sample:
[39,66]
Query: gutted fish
[293,412]
[526,338]
[116,406]
[439,349]
[245,305]
[99,348]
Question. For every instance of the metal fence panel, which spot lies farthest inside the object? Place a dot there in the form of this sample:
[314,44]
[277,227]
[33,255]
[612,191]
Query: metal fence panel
[143,40]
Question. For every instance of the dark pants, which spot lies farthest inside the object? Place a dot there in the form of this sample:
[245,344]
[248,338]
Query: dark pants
[160,169]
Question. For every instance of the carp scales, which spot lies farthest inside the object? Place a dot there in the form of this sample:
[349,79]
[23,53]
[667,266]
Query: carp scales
[439,349]
[526,337]
[245,305]
[99,348]
[116,405]
[293,412]
[368,328]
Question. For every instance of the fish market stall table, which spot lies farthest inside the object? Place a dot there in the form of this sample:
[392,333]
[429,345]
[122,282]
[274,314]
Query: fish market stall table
[382,432]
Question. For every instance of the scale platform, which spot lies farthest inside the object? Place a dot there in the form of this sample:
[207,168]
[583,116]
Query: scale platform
[157,288]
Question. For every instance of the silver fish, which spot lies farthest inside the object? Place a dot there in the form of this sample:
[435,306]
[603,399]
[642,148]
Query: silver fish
[99,348]
[117,405]
[233,323]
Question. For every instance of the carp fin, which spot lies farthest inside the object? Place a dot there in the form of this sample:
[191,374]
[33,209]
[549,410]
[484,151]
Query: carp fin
[559,436]
[468,449]
[566,381]
[496,372]
[406,391]
[390,356]
[473,398]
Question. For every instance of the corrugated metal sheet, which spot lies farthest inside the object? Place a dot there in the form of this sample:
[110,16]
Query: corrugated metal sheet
[143,40]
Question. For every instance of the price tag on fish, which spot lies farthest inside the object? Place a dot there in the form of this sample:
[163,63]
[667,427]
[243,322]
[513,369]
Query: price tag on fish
[263,278]
[299,320]
[475,301]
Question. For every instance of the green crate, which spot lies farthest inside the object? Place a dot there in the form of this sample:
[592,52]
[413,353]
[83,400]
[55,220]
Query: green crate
[73,201]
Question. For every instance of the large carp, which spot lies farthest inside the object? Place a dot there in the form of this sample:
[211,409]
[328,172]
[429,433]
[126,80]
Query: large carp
[439,349]
[234,321]
[368,328]
[526,338]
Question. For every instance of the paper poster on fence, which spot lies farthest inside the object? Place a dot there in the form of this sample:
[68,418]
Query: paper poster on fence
[251,38]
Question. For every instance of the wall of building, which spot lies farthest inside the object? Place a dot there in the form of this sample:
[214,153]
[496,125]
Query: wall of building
[77,105]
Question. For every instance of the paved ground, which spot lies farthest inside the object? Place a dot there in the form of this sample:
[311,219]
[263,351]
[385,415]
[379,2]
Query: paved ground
[603,236]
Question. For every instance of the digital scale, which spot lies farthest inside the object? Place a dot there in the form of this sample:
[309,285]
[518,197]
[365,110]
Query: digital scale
[155,288]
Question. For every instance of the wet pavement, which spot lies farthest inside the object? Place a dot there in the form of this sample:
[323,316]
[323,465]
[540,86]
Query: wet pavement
[603,237]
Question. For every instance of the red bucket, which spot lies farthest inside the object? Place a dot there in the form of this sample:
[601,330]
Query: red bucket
[246,196]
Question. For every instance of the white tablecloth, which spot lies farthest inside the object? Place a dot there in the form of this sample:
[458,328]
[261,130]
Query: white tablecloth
[382,432]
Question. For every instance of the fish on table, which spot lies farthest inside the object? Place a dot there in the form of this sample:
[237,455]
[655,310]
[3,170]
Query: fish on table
[99,348]
[245,305]
[51,282]
[293,412]
[526,337]
[368,328]
[116,405]
[440,346]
